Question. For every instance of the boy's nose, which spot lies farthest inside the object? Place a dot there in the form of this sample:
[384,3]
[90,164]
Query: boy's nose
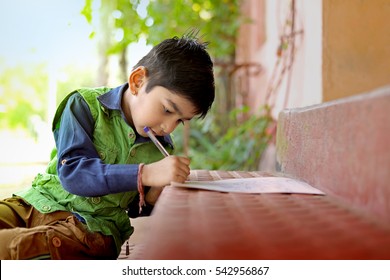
[168,127]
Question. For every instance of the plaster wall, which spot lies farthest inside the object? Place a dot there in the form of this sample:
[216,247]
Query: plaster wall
[258,42]
[356,46]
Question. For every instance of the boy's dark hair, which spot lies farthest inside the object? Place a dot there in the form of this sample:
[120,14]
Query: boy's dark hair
[183,66]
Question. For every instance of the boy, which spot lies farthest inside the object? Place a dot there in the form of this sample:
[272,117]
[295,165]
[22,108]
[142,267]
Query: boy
[103,161]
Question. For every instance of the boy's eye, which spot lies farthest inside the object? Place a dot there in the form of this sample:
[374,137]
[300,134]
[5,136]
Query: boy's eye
[167,111]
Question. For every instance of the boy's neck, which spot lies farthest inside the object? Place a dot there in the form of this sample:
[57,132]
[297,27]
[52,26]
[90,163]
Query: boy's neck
[126,107]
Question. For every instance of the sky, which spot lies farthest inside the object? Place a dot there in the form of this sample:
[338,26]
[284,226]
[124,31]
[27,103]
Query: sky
[52,32]
[44,30]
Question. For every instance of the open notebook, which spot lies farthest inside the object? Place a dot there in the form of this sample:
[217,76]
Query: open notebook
[253,185]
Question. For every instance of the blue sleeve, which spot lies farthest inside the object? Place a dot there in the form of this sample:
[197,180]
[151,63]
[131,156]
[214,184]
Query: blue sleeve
[79,167]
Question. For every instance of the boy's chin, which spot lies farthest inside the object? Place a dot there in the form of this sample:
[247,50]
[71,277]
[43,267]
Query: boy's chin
[142,133]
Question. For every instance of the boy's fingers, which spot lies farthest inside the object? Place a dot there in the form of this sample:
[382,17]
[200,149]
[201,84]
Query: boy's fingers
[180,178]
[182,164]
[184,167]
[184,160]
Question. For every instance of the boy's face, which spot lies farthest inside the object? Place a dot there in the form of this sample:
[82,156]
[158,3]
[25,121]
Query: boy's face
[160,109]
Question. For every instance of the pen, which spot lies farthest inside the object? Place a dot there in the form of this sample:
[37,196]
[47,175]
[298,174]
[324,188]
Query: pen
[155,141]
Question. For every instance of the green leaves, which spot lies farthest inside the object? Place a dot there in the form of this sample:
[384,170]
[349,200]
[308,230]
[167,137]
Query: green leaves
[22,94]
[240,148]
[217,20]
[87,11]
[155,20]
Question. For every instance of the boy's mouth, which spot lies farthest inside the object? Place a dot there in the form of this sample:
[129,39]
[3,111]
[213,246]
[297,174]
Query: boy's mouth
[161,134]
[153,132]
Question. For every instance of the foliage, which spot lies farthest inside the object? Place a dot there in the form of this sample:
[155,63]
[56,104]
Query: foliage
[240,148]
[72,79]
[218,20]
[23,93]
[124,23]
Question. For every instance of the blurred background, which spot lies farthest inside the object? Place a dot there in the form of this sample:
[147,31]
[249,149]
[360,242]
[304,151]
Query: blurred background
[268,54]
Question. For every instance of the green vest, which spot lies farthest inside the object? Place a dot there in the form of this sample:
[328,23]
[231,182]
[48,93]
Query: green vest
[114,140]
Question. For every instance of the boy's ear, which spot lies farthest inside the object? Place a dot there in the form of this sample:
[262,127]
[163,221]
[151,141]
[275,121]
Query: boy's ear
[136,79]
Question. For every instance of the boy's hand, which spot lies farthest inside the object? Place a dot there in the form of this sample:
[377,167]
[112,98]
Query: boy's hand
[163,172]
